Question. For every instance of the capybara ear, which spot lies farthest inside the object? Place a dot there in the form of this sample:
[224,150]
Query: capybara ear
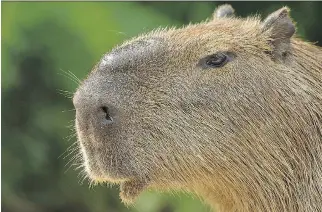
[225,10]
[281,28]
[280,23]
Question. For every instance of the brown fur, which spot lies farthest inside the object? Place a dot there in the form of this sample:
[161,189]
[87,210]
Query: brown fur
[245,137]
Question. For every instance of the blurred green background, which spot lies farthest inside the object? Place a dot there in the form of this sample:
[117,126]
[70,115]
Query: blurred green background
[41,42]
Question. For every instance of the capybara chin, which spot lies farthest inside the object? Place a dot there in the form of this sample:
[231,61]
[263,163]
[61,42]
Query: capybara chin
[229,109]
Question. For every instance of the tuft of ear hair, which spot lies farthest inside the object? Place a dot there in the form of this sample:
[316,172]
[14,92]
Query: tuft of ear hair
[281,28]
[225,10]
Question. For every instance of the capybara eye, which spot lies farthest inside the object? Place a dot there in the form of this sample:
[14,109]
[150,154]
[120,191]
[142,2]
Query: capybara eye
[216,60]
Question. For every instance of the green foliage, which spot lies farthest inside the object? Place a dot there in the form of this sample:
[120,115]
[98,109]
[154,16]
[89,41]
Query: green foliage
[41,42]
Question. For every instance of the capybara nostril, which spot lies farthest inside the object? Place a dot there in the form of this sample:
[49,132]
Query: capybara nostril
[107,114]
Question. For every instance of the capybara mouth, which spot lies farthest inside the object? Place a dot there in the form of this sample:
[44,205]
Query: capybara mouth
[108,179]
[130,190]
[104,168]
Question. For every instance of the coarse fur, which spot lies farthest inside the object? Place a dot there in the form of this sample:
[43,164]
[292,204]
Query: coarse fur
[246,136]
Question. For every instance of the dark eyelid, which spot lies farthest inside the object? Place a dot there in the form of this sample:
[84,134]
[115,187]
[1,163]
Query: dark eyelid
[202,62]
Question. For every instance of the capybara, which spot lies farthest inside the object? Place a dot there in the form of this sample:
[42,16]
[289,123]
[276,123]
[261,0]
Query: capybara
[229,109]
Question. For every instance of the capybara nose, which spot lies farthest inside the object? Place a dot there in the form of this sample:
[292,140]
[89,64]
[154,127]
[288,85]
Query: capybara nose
[90,109]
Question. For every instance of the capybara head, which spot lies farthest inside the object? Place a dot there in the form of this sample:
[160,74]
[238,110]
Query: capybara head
[216,107]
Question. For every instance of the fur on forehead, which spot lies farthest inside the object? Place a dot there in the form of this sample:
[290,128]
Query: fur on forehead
[236,30]
[270,35]
[224,24]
